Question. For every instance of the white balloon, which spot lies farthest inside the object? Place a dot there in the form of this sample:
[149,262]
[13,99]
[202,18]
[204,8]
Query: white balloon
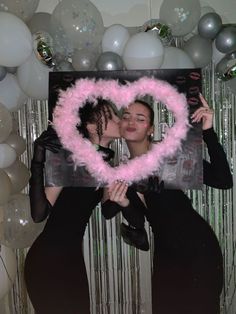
[176,58]
[33,78]
[7,155]
[8,269]
[16,40]
[17,142]
[11,95]
[5,123]
[19,175]
[143,51]
[115,38]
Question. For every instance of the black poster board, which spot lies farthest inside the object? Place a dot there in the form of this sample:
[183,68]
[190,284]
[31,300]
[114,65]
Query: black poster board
[184,171]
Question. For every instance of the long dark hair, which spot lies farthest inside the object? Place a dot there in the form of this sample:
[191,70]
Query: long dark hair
[93,113]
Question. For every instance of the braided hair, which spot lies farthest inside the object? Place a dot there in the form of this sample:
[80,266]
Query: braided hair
[93,113]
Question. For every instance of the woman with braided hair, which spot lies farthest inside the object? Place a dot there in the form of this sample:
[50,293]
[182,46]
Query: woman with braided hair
[55,273]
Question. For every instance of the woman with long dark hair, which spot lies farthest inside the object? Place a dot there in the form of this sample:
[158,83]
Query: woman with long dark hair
[188,265]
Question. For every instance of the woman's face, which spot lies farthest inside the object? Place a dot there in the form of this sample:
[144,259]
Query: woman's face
[135,123]
[112,129]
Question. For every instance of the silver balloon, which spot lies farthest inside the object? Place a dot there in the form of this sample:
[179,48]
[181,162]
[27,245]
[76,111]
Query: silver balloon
[109,61]
[3,72]
[84,60]
[209,25]
[226,68]
[159,28]
[226,39]
[200,50]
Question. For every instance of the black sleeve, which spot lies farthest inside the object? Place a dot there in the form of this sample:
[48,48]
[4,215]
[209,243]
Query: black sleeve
[40,206]
[216,173]
[133,213]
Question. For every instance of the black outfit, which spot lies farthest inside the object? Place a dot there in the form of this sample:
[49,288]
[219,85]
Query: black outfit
[55,273]
[188,265]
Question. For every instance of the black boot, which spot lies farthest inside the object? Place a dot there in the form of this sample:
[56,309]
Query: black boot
[136,237]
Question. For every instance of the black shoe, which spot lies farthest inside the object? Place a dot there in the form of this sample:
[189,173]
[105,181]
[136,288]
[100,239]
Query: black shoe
[135,237]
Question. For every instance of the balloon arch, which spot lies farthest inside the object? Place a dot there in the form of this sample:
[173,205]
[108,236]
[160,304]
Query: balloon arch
[34,44]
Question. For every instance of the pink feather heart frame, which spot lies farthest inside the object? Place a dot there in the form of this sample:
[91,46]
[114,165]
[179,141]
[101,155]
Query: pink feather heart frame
[65,119]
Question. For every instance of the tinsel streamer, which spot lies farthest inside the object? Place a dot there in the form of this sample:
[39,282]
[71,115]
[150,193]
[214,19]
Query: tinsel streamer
[119,275]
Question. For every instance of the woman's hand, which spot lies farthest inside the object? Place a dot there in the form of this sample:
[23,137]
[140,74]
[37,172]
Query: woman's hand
[117,193]
[204,114]
[47,140]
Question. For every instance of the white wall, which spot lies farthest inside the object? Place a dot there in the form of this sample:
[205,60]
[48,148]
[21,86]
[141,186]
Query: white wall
[136,12]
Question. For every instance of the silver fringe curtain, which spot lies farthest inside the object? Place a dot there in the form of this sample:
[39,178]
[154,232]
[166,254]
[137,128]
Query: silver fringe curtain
[119,275]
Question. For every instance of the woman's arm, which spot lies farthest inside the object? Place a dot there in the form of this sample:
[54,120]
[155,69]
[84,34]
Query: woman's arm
[119,198]
[216,173]
[39,204]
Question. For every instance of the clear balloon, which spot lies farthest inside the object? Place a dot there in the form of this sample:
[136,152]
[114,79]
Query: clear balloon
[63,66]
[76,24]
[160,29]
[40,21]
[109,61]
[115,38]
[17,142]
[84,60]
[43,43]
[15,39]
[200,50]
[176,58]
[226,68]
[8,270]
[180,15]
[209,25]
[21,8]
[11,95]
[7,155]
[3,73]
[226,39]
[5,123]
[33,78]
[6,187]
[18,228]
[143,51]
